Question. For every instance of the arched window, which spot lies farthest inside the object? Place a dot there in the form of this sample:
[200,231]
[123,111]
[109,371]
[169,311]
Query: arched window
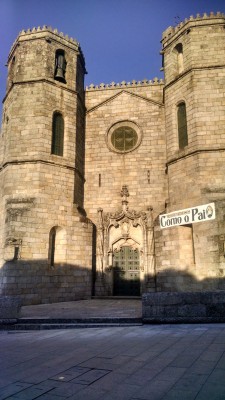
[60,65]
[180,60]
[57,134]
[182,125]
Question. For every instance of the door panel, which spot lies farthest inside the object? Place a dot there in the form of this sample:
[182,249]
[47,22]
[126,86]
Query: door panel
[126,272]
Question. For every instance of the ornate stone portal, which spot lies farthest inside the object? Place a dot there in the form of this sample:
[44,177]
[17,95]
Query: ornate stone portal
[117,231]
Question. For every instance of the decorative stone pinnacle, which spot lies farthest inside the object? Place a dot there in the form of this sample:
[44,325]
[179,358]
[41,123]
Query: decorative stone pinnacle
[125,84]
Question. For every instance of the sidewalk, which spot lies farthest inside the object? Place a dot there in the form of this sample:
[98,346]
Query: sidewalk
[149,362]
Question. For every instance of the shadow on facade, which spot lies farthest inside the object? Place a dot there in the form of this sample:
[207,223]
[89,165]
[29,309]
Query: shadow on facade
[94,274]
[37,282]
[168,280]
[176,281]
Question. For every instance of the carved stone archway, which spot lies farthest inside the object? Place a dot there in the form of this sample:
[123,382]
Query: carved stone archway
[124,228]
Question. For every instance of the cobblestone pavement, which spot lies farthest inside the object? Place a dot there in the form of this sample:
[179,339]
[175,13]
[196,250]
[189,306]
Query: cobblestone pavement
[149,362]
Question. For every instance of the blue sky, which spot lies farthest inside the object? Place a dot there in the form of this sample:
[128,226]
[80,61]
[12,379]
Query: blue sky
[119,38]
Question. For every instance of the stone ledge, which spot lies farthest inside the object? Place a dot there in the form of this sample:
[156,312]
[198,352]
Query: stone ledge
[186,320]
[9,307]
[176,307]
[8,321]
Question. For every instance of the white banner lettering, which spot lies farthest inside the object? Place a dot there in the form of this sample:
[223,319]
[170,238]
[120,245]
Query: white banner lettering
[202,213]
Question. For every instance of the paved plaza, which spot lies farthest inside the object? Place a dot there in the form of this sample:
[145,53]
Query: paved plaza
[92,308]
[149,362]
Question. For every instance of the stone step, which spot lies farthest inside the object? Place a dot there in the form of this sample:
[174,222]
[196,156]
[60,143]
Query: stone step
[45,323]
[29,327]
[79,320]
[116,297]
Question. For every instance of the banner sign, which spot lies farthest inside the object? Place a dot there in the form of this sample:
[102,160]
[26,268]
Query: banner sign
[188,216]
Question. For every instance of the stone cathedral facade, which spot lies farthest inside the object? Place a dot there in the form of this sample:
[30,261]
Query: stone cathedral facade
[86,173]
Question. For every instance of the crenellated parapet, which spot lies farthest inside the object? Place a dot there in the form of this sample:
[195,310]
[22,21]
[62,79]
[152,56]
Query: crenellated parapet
[124,84]
[172,31]
[34,33]
[49,29]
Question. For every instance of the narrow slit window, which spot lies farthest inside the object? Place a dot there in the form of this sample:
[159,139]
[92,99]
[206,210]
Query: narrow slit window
[180,59]
[57,246]
[52,238]
[11,72]
[57,134]
[182,125]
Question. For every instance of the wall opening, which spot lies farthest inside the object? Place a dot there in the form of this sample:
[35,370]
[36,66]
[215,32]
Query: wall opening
[57,134]
[182,125]
[57,246]
[180,58]
[60,66]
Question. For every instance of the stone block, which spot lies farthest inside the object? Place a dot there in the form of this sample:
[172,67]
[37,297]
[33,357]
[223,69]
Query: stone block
[215,310]
[9,307]
[184,307]
[162,298]
[192,310]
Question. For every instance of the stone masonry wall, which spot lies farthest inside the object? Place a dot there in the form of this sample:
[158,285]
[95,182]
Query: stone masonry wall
[184,307]
[205,111]
[142,170]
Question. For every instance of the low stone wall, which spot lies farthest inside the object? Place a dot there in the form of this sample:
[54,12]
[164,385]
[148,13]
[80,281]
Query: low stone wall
[9,307]
[174,307]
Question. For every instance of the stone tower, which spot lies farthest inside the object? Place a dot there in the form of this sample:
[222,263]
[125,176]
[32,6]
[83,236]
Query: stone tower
[43,225]
[194,67]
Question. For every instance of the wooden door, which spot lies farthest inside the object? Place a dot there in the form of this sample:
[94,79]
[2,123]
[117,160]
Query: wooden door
[126,272]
